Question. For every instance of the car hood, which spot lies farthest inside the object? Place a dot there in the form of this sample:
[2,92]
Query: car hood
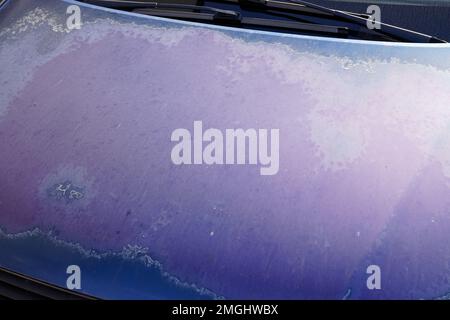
[88,127]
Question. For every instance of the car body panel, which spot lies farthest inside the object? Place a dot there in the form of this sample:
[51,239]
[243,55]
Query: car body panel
[364,159]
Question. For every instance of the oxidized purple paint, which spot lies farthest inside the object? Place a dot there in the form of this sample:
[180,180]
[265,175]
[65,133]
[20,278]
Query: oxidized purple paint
[364,152]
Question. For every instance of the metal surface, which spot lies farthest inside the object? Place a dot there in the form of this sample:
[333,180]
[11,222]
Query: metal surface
[86,176]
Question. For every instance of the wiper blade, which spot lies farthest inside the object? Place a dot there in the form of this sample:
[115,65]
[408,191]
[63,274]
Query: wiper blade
[290,6]
[148,7]
[210,14]
[392,31]
[206,13]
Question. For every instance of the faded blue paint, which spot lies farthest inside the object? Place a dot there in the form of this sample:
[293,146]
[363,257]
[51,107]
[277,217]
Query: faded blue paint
[364,161]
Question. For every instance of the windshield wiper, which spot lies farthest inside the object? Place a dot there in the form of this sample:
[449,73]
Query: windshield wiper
[300,6]
[297,7]
[199,12]
[210,14]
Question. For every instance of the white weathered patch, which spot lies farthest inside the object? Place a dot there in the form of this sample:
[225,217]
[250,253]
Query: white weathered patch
[339,142]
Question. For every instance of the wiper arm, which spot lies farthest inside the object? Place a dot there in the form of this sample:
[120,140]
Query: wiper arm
[392,31]
[210,14]
[206,13]
[155,7]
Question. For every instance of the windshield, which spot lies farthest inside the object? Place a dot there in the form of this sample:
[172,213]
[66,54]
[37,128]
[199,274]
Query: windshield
[343,19]
[427,16]
[398,2]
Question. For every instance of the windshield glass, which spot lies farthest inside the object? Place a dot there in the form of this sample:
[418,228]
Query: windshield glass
[426,16]
[384,21]
[398,2]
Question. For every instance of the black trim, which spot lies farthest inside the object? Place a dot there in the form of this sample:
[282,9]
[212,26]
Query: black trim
[16,286]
